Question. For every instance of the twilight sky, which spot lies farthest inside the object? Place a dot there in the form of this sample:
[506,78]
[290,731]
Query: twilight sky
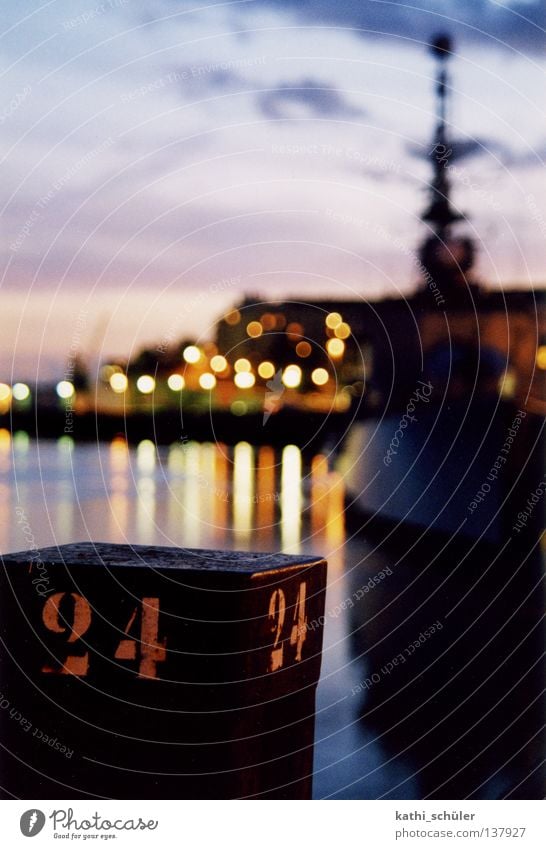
[161,157]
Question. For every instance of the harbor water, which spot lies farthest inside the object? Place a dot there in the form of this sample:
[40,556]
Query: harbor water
[432,674]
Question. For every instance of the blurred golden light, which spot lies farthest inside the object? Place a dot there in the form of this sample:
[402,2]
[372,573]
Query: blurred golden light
[64,389]
[108,370]
[266,369]
[233,317]
[343,401]
[218,363]
[320,376]
[541,357]
[291,377]
[145,384]
[118,382]
[254,329]
[294,330]
[5,392]
[20,391]
[191,354]
[176,382]
[508,384]
[268,321]
[244,380]
[303,349]
[280,320]
[242,365]
[343,330]
[333,319]
[335,347]
[207,381]
[238,408]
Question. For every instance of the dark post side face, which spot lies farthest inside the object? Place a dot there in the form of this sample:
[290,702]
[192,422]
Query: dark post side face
[140,672]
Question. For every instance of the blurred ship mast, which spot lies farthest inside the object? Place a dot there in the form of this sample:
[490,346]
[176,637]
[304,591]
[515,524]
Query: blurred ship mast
[440,212]
[444,257]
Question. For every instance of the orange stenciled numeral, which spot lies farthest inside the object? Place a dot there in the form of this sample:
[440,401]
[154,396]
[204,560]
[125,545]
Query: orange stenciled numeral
[298,633]
[277,611]
[152,650]
[126,649]
[56,622]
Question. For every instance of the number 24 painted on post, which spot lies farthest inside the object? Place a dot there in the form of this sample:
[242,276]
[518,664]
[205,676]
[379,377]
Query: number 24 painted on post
[152,650]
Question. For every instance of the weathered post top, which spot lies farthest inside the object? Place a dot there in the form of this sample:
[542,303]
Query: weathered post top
[161,557]
[194,668]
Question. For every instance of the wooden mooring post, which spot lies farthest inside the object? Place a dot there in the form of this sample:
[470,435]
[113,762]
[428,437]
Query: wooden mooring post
[136,672]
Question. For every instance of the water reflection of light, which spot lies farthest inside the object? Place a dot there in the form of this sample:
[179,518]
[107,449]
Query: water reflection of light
[21,442]
[335,523]
[65,510]
[291,499]
[175,460]
[192,496]
[119,483]
[6,516]
[65,446]
[146,456]
[162,499]
[176,483]
[119,465]
[319,492]
[207,479]
[266,496]
[5,450]
[221,502]
[146,459]
[119,515]
[66,496]
[243,487]
[145,510]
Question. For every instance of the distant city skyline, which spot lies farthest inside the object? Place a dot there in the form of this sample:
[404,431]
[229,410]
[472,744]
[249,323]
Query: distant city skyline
[160,161]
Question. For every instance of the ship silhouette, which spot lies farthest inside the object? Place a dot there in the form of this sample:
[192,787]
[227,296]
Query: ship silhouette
[450,439]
